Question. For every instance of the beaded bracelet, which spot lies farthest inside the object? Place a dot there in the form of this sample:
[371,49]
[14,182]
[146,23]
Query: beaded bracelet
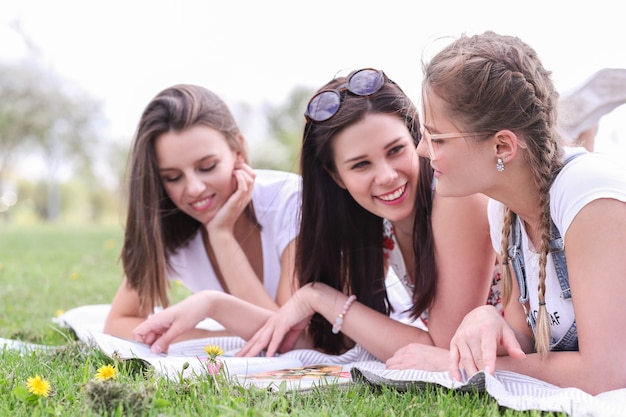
[339,319]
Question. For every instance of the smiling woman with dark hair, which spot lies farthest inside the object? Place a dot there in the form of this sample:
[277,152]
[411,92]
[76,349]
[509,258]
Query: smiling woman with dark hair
[369,211]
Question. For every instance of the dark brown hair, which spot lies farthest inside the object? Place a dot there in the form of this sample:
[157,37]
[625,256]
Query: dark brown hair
[341,243]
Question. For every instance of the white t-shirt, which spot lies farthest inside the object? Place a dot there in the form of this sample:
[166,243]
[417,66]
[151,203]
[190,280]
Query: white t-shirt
[584,179]
[276,199]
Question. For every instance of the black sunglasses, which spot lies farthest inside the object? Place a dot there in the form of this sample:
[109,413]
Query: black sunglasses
[326,103]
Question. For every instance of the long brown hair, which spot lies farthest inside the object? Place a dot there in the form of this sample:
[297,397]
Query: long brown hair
[492,82]
[155,227]
[340,243]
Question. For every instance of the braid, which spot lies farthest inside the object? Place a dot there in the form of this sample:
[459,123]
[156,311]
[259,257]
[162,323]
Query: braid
[543,157]
[547,163]
[507,277]
[542,336]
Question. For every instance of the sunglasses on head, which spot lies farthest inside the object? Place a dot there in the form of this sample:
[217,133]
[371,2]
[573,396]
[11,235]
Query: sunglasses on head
[326,103]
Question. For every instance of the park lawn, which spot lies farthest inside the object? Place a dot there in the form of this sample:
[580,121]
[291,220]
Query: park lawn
[49,268]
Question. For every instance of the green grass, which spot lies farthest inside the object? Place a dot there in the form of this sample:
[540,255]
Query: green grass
[47,268]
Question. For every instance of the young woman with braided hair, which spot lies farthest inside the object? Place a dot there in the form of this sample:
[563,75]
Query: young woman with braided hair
[557,218]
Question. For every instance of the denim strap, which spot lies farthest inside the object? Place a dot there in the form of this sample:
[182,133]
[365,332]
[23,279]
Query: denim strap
[556,249]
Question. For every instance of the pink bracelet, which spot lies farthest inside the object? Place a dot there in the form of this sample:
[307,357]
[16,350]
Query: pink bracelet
[339,319]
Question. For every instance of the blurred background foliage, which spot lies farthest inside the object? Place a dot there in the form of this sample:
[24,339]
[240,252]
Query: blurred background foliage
[57,165]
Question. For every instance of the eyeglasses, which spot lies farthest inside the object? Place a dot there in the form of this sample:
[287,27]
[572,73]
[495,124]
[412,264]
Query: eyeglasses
[433,140]
[326,103]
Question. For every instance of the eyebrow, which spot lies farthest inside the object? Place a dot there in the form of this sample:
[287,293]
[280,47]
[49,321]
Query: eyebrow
[199,161]
[430,129]
[387,146]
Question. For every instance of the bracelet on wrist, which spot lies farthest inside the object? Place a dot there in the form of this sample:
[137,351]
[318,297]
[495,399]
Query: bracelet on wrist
[339,319]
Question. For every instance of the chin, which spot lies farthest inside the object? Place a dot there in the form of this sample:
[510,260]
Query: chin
[449,192]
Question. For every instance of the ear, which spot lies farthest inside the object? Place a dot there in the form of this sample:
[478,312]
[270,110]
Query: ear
[506,145]
[242,145]
[335,178]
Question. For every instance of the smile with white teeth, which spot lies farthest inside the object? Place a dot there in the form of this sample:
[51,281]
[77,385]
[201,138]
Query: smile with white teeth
[201,203]
[392,196]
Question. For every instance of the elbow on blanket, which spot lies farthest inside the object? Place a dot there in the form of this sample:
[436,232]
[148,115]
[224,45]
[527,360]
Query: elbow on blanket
[604,380]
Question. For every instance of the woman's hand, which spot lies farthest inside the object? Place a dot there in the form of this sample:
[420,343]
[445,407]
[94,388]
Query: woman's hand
[283,329]
[228,214]
[481,336]
[419,356]
[160,329]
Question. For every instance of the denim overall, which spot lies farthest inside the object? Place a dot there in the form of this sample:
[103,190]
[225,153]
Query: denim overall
[569,341]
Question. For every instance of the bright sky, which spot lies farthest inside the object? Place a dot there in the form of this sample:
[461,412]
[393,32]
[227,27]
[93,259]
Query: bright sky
[255,51]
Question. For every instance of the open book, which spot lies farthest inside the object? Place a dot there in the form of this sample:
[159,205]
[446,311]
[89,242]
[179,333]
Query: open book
[293,371]
[88,319]
[187,359]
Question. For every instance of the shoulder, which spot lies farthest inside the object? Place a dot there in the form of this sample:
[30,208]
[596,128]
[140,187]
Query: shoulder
[268,181]
[586,178]
[272,188]
[591,169]
[460,220]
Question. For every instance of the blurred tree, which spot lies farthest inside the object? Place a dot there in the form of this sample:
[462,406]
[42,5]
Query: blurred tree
[41,116]
[44,116]
[285,126]
[19,113]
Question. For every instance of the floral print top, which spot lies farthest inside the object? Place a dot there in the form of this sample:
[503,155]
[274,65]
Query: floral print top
[393,258]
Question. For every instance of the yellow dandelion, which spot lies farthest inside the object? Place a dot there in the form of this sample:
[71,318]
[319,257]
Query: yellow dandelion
[74,276]
[109,244]
[38,386]
[179,282]
[213,351]
[59,312]
[106,372]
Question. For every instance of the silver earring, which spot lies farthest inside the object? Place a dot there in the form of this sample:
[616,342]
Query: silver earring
[500,165]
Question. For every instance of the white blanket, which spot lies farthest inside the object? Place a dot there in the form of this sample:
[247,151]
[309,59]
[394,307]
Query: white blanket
[509,389]
[515,391]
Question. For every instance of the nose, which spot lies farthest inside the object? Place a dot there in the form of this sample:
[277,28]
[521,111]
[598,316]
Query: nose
[422,149]
[195,185]
[386,174]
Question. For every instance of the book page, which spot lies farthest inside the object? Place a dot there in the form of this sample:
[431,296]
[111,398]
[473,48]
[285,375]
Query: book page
[123,348]
[297,378]
[90,318]
[188,357]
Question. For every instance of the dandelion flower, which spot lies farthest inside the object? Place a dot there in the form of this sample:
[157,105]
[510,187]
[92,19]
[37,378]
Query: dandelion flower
[38,386]
[106,372]
[213,351]
[214,365]
[74,276]
[59,312]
